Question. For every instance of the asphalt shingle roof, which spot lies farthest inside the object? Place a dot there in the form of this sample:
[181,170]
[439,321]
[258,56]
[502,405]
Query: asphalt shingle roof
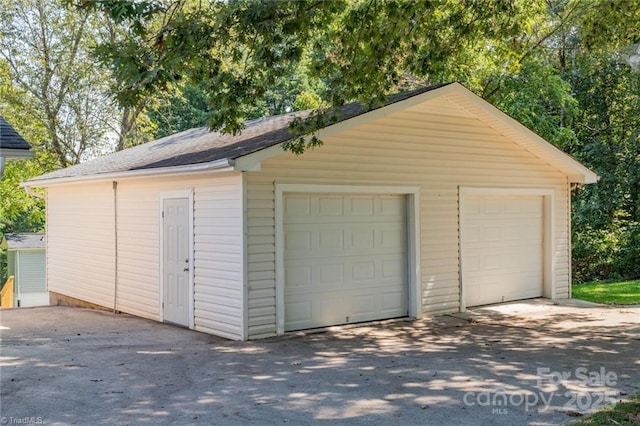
[9,138]
[197,146]
[24,241]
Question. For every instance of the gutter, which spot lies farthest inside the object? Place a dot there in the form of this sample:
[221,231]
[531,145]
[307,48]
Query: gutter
[222,165]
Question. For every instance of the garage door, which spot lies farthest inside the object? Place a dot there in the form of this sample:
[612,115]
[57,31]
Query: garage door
[345,259]
[502,246]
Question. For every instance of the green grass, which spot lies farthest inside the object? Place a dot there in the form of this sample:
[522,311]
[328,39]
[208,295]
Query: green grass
[616,293]
[623,413]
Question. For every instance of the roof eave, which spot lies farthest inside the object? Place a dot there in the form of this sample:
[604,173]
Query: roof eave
[12,154]
[221,165]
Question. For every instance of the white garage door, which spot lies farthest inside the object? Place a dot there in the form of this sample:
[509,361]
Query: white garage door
[345,258]
[502,246]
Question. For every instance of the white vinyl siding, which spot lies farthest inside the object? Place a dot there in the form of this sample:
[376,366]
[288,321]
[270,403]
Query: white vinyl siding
[437,146]
[217,249]
[219,272]
[218,242]
[80,242]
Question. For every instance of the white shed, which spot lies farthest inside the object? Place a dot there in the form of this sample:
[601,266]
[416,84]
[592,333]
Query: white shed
[26,262]
[435,202]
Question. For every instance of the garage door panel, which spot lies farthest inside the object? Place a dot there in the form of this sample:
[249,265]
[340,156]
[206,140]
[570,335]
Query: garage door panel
[393,303]
[362,206]
[502,248]
[362,238]
[330,240]
[297,207]
[298,240]
[299,276]
[298,312]
[346,260]
[389,206]
[331,206]
[337,272]
[363,305]
[363,271]
[331,274]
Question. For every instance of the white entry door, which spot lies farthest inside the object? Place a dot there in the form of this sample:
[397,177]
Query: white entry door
[175,260]
[345,258]
[502,248]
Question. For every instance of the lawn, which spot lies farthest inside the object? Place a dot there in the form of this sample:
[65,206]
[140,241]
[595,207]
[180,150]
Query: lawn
[623,413]
[616,293]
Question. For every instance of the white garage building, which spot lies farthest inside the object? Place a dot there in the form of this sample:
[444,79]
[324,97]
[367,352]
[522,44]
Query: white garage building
[435,202]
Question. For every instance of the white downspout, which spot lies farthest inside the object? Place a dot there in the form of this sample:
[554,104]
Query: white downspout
[115,239]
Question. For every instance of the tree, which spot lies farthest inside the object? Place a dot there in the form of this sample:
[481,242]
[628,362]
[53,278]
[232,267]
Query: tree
[187,107]
[20,212]
[49,51]
[237,51]
[607,215]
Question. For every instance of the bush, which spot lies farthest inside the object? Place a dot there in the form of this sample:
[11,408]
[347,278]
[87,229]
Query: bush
[605,254]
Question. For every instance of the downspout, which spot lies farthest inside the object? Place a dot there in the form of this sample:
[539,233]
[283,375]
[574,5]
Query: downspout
[570,188]
[2,163]
[115,239]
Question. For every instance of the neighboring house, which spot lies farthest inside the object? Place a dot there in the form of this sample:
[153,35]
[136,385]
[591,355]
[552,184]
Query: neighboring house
[12,146]
[433,203]
[26,263]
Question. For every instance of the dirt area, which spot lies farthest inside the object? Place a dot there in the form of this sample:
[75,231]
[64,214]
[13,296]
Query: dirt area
[520,363]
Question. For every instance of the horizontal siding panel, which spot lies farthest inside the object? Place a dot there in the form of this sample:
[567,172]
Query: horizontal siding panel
[262,275]
[439,290]
[80,242]
[260,302]
[221,252]
[261,239]
[215,327]
[206,275]
[261,284]
[263,293]
[261,248]
[259,267]
[217,294]
[262,332]
[218,225]
[223,314]
[263,257]
[261,320]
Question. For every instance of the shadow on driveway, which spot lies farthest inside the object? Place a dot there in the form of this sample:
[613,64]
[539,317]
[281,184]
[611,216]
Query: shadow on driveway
[527,363]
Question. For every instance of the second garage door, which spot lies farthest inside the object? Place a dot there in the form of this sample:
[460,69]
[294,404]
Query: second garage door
[345,259]
[502,248]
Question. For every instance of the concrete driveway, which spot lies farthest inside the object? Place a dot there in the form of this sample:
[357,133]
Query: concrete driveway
[520,363]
